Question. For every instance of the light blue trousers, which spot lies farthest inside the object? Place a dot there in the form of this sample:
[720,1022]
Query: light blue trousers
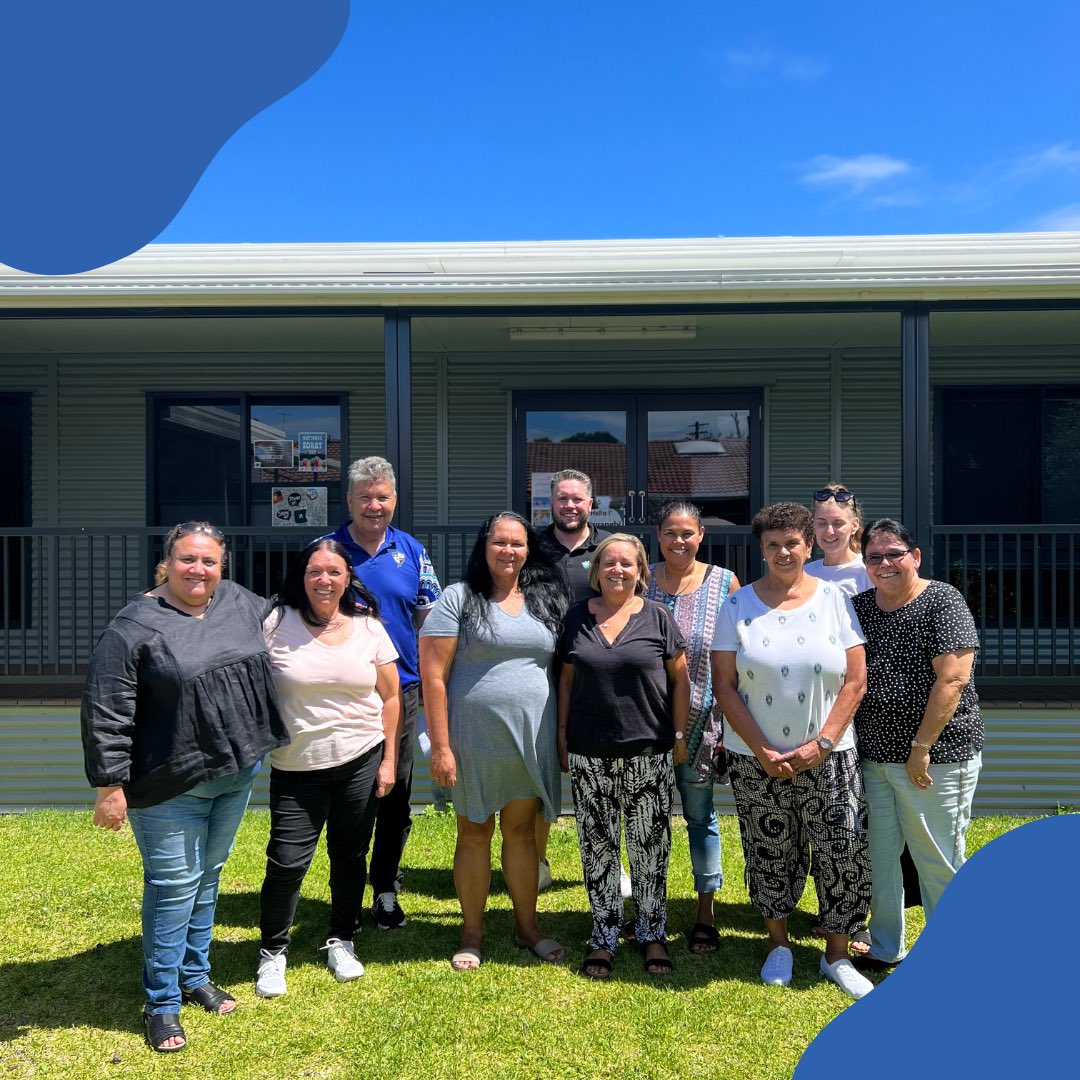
[702,829]
[932,822]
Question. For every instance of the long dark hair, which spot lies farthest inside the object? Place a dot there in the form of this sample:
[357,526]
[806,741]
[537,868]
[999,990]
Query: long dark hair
[357,599]
[539,581]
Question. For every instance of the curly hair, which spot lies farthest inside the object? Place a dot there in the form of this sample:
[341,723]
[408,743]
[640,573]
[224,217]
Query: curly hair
[783,515]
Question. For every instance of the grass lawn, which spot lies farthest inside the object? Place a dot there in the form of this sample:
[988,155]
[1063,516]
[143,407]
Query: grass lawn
[70,958]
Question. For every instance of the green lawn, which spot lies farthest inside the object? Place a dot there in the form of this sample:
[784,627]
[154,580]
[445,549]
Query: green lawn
[70,958]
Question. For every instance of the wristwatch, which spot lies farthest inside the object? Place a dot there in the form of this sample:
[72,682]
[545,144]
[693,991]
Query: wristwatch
[825,743]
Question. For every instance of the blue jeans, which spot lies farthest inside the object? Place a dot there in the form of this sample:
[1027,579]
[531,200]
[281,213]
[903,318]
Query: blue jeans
[932,822]
[184,843]
[702,829]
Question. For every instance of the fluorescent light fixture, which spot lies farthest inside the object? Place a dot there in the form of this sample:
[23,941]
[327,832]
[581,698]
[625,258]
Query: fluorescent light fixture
[623,332]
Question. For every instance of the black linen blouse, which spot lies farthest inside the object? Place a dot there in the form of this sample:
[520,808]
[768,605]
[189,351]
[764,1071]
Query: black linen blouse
[171,700]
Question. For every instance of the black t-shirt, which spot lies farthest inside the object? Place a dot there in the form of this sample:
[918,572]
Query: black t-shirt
[573,565]
[620,703]
[900,649]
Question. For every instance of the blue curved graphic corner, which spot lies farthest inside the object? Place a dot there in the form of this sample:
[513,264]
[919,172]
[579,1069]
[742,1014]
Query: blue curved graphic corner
[990,990]
[114,111]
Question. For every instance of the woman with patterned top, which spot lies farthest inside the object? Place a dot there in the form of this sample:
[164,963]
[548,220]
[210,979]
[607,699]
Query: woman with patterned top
[919,727]
[789,672]
[694,592]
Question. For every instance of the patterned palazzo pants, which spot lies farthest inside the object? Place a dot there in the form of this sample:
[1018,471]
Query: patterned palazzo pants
[608,791]
[781,821]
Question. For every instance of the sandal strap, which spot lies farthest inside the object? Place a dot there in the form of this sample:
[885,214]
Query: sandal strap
[209,996]
[159,1027]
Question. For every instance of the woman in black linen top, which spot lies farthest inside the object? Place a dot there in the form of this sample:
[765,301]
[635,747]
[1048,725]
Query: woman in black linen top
[178,710]
[624,702]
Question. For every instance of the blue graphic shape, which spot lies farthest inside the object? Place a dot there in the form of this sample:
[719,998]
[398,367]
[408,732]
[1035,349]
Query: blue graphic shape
[113,111]
[977,996]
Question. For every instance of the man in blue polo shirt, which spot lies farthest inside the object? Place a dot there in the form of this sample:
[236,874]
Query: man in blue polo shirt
[396,568]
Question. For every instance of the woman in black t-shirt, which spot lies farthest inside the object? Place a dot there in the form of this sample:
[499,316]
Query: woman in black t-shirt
[919,729]
[624,702]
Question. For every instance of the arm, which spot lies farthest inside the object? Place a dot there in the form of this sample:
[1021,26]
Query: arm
[679,680]
[566,686]
[812,753]
[418,616]
[726,689]
[388,687]
[952,671]
[436,660]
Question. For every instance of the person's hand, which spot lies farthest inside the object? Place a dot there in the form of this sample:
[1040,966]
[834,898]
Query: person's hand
[110,809]
[918,767]
[678,753]
[443,767]
[806,757]
[776,764]
[385,778]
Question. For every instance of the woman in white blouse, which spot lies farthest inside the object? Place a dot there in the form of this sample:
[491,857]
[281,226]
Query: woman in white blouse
[335,672]
[789,671]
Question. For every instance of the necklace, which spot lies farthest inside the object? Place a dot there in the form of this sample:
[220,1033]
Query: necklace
[604,624]
[682,588]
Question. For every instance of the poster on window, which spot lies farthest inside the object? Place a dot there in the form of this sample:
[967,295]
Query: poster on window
[311,449]
[273,453]
[303,507]
[540,508]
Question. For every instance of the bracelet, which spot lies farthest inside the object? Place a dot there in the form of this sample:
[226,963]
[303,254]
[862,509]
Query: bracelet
[921,745]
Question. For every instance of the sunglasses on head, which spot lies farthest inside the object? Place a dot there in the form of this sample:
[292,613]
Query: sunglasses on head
[190,527]
[840,496]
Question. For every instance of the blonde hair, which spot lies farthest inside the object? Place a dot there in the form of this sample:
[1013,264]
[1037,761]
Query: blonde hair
[852,505]
[639,550]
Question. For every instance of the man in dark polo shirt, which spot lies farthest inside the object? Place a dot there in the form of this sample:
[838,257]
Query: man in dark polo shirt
[569,542]
[396,568]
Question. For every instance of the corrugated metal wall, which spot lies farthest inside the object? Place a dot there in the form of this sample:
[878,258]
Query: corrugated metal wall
[870,422]
[1031,764]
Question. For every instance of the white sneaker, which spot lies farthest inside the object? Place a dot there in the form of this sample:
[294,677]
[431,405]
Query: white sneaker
[843,973]
[270,978]
[545,876]
[776,970]
[626,890]
[341,960]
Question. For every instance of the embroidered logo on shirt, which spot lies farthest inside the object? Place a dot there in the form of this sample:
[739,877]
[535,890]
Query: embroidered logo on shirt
[398,557]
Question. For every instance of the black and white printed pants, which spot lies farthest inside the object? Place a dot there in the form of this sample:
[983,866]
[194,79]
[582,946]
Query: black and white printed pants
[781,821]
[608,792]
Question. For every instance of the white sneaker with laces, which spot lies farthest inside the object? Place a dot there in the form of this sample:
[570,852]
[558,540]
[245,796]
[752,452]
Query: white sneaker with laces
[545,876]
[626,890]
[387,912]
[776,970]
[843,973]
[341,960]
[270,977]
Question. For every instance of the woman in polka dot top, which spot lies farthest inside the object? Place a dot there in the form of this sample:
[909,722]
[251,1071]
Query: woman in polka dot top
[789,672]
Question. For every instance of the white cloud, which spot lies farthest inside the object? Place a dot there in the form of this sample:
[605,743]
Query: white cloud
[854,174]
[1063,219]
[742,64]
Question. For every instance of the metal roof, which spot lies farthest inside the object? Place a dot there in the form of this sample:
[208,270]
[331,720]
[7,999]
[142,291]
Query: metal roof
[722,269]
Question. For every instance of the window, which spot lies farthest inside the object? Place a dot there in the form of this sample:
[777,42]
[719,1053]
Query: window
[14,508]
[1009,456]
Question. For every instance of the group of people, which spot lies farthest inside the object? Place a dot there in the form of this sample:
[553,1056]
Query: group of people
[837,693]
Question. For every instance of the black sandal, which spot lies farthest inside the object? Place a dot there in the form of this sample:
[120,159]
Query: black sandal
[657,965]
[601,962]
[703,940]
[210,997]
[160,1027]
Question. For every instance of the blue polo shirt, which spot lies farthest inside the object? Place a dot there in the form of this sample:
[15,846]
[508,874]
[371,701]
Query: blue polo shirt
[403,580]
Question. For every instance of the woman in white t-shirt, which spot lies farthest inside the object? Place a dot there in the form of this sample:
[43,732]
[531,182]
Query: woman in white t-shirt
[789,670]
[837,530]
[336,677]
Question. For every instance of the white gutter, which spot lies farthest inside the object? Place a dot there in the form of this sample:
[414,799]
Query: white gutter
[702,270]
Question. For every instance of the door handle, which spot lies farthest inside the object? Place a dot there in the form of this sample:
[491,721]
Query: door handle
[641,512]
[629,508]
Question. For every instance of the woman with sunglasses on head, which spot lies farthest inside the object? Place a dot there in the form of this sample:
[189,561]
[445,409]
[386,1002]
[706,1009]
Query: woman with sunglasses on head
[919,728]
[837,530]
[178,710]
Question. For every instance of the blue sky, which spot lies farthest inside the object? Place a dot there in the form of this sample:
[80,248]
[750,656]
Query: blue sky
[563,120]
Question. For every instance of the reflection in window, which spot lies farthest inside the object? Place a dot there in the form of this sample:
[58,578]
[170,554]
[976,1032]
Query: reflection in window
[594,442]
[702,455]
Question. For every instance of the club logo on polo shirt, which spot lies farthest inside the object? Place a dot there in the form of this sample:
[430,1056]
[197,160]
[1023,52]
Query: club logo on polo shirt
[398,557]
[585,564]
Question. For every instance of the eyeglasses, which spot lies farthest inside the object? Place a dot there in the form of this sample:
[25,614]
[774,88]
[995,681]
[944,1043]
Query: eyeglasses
[881,556]
[840,496]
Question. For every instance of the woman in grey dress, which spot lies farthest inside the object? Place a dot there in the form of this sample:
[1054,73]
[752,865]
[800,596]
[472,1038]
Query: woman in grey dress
[485,663]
